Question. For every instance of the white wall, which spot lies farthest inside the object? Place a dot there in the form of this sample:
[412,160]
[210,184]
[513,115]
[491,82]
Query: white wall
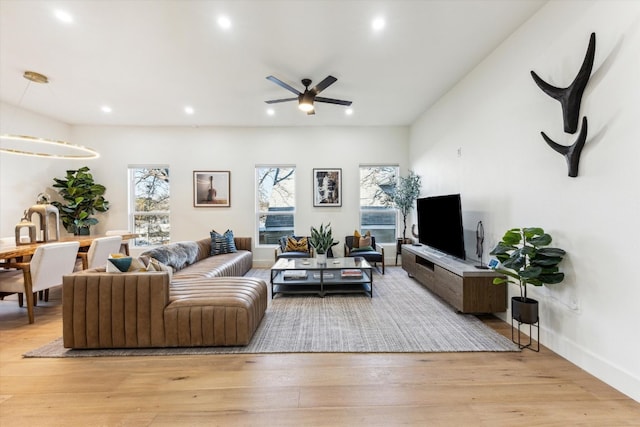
[508,176]
[238,150]
[23,178]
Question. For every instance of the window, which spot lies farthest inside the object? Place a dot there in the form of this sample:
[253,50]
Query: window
[375,215]
[276,202]
[149,204]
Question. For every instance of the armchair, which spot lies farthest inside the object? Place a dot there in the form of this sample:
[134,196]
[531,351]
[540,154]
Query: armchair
[293,247]
[373,253]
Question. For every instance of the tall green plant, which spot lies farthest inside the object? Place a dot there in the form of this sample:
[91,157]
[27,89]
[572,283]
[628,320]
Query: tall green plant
[83,198]
[322,239]
[526,260]
[403,195]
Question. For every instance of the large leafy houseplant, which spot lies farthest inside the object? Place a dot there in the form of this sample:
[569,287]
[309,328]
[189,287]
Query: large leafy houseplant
[82,198]
[526,259]
[322,239]
[403,196]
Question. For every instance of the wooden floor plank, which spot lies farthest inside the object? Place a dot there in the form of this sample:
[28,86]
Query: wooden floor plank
[435,389]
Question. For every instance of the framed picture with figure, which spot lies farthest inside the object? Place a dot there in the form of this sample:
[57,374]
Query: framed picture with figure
[327,187]
[211,189]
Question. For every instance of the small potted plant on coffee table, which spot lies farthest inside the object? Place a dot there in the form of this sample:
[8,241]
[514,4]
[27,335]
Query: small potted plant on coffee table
[525,259]
[322,241]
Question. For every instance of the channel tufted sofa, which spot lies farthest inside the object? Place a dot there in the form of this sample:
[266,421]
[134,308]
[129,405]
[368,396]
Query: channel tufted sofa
[203,301]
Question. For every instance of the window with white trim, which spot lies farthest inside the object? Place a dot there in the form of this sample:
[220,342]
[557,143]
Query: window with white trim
[276,202]
[375,214]
[149,204]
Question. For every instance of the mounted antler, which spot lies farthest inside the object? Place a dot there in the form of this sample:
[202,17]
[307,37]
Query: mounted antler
[571,96]
[571,152]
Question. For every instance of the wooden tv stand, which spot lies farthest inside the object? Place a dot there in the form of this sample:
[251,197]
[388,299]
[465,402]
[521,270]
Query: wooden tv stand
[467,288]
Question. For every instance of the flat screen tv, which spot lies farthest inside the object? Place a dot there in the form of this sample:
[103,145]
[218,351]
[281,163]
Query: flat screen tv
[440,224]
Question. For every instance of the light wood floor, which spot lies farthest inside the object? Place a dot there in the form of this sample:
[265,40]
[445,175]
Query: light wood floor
[434,389]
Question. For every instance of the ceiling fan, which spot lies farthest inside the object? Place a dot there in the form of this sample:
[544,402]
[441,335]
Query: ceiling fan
[309,96]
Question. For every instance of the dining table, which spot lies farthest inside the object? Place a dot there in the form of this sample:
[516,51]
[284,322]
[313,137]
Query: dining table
[13,252]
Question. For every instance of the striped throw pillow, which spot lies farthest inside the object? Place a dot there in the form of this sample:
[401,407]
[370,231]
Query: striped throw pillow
[222,243]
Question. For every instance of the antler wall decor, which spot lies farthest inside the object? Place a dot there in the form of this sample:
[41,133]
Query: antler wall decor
[570,99]
[571,152]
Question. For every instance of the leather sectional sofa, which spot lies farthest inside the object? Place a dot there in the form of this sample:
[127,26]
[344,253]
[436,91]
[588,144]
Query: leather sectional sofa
[205,301]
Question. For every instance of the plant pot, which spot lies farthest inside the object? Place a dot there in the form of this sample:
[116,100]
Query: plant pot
[524,310]
[83,231]
[321,258]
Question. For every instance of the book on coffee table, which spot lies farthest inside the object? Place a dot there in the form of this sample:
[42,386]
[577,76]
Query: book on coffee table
[354,273]
[294,274]
[324,275]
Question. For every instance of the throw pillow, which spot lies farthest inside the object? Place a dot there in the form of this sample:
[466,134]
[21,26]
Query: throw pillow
[140,264]
[364,241]
[155,265]
[356,239]
[222,243]
[297,244]
[118,264]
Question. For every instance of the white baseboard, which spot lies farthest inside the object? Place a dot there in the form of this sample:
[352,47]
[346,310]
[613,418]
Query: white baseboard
[604,370]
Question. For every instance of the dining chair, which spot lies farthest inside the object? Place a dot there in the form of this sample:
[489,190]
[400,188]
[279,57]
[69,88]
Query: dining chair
[124,246]
[99,251]
[49,263]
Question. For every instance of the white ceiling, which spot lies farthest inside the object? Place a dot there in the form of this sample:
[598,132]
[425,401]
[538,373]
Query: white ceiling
[148,59]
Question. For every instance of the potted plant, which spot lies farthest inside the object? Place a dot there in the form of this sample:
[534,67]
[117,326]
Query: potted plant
[526,259]
[322,240]
[82,198]
[402,196]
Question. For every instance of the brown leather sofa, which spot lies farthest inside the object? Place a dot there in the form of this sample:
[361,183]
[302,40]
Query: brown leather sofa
[205,303]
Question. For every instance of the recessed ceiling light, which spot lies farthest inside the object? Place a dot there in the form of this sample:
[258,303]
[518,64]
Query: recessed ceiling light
[271,112]
[348,111]
[378,24]
[189,110]
[224,22]
[63,16]
[106,109]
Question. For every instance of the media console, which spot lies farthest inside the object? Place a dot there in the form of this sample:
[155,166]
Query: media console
[467,288]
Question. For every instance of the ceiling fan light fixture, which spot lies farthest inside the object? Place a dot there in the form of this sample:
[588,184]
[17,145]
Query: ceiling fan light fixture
[305,106]
[305,102]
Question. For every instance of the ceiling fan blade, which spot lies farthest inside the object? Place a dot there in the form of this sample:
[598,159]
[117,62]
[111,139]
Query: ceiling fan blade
[328,81]
[284,85]
[275,101]
[333,101]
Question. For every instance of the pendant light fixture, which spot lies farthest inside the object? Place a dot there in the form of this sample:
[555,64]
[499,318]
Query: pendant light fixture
[23,144]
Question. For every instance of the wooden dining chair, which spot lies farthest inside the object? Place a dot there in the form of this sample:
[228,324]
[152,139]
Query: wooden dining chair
[49,263]
[99,251]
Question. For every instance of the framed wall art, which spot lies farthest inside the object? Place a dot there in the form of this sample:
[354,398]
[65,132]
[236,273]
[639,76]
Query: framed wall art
[211,189]
[327,187]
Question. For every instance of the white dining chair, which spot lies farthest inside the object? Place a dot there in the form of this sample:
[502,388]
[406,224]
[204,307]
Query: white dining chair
[99,251]
[49,263]
[124,246]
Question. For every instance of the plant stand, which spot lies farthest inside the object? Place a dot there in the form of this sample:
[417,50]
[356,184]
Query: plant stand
[531,326]
[399,242]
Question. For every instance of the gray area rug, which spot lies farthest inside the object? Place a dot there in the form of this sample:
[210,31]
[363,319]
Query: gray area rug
[402,317]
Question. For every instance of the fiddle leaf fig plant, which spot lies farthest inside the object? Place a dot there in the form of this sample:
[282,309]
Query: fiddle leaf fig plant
[322,239]
[82,198]
[525,259]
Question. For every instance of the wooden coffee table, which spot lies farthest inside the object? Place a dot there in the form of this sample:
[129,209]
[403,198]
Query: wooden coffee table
[307,276]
